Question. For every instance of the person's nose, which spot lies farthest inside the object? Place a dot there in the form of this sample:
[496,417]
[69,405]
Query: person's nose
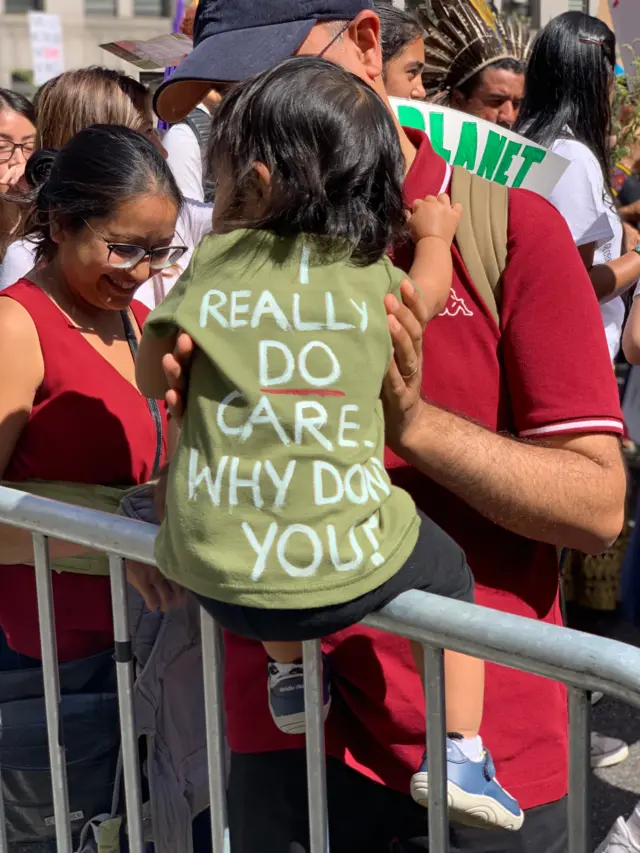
[418,93]
[17,158]
[141,272]
[508,114]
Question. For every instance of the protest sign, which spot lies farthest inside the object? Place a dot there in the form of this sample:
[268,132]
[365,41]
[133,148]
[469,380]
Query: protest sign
[45,34]
[626,22]
[483,148]
[153,55]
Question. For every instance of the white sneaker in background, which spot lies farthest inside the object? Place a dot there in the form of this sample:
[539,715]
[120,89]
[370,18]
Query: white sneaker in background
[619,839]
[596,696]
[607,751]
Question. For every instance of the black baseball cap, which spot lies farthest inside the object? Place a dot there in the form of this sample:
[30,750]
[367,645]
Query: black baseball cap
[235,39]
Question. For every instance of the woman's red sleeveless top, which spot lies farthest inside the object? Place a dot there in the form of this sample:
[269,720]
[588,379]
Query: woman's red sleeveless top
[87,425]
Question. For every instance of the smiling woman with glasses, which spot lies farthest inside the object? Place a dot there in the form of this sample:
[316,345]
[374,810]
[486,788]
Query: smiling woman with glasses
[17,142]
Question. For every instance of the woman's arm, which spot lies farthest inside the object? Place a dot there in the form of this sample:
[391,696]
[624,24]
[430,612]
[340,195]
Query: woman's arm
[22,373]
[150,375]
[631,335]
[615,277]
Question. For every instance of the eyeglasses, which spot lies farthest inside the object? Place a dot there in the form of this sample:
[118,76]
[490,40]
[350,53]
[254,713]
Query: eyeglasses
[336,38]
[125,256]
[7,149]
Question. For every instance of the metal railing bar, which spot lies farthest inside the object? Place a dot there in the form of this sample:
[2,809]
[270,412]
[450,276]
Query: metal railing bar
[4,847]
[316,764]
[50,675]
[101,531]
[212,664]
[562,654]
[579,803]
[552,651]
[125,675]
[436,749]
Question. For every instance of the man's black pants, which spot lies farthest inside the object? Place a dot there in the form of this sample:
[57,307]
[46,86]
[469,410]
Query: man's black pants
[268,814]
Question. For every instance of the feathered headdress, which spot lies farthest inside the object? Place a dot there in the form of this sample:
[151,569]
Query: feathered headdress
[465,36]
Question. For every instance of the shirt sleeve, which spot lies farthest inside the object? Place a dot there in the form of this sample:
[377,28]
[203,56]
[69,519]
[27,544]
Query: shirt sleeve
[554,348]
[19,259]
[580,196]
[185,160]
[396,277]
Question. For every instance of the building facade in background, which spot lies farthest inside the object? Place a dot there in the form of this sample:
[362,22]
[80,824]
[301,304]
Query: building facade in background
[85,24]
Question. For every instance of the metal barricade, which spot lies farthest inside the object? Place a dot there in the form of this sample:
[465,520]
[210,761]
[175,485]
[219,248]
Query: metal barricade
[582,662]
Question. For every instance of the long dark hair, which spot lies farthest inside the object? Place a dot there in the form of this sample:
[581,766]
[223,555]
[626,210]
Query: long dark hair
[14,102]
[97,170]
[332,151]
[568,85]
[398,29]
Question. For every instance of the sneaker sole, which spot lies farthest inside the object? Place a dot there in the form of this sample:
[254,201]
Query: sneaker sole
[612,758]
[294,724]
[474,810]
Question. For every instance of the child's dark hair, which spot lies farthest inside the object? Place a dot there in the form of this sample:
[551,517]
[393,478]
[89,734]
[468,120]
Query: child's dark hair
[97,170]
[331,148]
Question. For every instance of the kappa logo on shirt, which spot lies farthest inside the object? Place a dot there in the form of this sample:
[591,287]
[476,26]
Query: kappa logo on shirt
[456,305]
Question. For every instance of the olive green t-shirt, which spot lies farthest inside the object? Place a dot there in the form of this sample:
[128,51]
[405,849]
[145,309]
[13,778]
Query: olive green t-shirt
[278,496]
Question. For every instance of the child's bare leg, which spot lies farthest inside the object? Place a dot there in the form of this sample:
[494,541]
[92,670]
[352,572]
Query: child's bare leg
[284,652]
[464,690]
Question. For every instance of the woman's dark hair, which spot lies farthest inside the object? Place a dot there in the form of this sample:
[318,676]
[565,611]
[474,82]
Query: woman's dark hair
[97,170]
[398,29]
[10,100]
[568,85]
[332,151]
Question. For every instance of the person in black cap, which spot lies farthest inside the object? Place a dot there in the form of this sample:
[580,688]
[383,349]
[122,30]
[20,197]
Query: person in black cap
[531,463]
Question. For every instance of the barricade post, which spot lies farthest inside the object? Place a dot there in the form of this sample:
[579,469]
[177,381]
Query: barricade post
[212,663]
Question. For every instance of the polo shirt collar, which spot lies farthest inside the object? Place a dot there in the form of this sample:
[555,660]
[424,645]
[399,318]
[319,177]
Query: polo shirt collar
[429,173]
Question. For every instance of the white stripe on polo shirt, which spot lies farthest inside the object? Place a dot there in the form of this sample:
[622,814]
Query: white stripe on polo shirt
[604,424]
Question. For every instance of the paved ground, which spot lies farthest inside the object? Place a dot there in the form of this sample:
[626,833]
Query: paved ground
[616,790]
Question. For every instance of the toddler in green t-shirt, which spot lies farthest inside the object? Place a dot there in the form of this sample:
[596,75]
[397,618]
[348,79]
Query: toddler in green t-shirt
[281,517]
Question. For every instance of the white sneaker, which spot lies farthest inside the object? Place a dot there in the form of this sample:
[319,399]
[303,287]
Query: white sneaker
[619,839]
[596,696]
[607,751]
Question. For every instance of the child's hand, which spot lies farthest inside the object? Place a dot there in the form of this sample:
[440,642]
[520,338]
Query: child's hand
[434,217]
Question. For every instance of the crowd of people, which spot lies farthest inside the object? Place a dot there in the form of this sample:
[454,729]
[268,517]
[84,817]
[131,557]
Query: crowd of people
[328,408]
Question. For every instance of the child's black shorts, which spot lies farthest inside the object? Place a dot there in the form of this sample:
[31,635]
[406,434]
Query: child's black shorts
[436,565]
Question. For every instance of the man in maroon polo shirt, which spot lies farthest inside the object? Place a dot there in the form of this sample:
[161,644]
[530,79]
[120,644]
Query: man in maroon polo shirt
[514,454]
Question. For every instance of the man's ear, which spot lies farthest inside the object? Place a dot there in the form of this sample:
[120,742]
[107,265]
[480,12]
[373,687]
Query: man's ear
[364,33]
[56,232]
[458,100]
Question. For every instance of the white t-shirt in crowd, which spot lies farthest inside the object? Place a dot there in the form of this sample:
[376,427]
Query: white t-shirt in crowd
[194,222]
[19,259]
[582,198]
[184,157]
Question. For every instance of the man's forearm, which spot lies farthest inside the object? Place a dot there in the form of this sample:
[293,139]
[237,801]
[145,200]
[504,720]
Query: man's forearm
[546,493]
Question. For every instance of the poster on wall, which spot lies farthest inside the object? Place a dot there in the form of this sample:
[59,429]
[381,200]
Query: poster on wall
[487,150]
[626,23]
[47,56]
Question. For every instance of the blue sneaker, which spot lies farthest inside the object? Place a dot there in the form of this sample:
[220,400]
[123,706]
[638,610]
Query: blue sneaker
[286,695]
[475,796]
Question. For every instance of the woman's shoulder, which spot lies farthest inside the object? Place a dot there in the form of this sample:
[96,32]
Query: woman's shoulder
[18,326]
[577,152]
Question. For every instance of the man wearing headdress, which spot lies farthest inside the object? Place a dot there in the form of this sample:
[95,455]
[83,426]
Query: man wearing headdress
[476,60]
